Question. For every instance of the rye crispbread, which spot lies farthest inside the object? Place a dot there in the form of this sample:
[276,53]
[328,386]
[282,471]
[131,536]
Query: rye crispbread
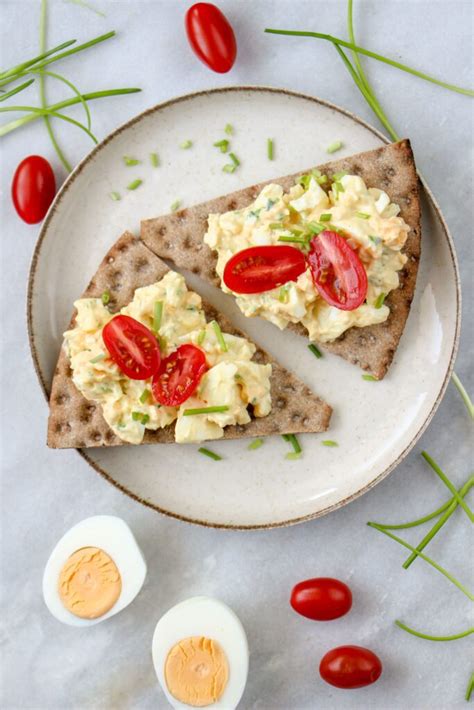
[179,237]
[75,422]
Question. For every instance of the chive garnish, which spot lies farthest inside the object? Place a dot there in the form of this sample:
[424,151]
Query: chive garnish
[255,444]
[140,417]
[105,297]
[363,215]
[205,410]
[145,419]
[283,294]
[154,160]
[229,129]
[322,179]
[201,336]
[296,240]
[292,455]
[175,205]
[134,184]
[291,438]
[470,688]
[369,378]
[315,228]
[234,159]
[98,358]
[315,350]
[338,187]
[339,175]
[429,637]
[304,180]
[186,144]
[379,300]
[115,196]
[157,315]
[276,225]
[270,152]
[223,145]
[229,168]
[333,147]
[130,161]
[326,217]
[211,454]
[329,442]
[219,336]
[145,396]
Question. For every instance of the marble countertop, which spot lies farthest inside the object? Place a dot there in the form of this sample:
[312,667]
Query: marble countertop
[46,665]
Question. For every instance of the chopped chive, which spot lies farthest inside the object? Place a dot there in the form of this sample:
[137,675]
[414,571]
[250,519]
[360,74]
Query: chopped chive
[329,442]
[201,336]
[145,396]
[145,419]
[229,129]
[363,215]
[276,225]
[115,196]
[98,358]
[270,152]
[157,315]
[229,168]
[205,410]
[134,184]
[283,294]
[339,175]
[219,336]
[130,161]
[175,205]
[315,228]
[255,444]
[140,417]
[296,240]
[211,454]
[292,455]
[369,378]
[379,301]
[322,179]
[375,240]
[333,147]
[325,217]
[291,438]
[154,159]
[105,297]
[338,187]
[315,350]
[296,232]
[234,159]
[470,688]
[304,181]
[223,145]
[186,144]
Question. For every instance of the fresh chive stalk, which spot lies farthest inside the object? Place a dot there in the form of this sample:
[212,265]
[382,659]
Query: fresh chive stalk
[315,350]
[219,336]
[429,637]
[431,462]
[157,315]
[209,453]
[470,688]
[255,444]
[270,149]
[16,90]
[134,184]
[291,438]
[205,410]
[465,397]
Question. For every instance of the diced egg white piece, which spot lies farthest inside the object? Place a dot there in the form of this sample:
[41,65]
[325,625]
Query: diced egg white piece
[110,534]
[211,618]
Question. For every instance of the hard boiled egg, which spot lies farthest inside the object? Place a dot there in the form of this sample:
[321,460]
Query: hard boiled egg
[95,571]
[200,654]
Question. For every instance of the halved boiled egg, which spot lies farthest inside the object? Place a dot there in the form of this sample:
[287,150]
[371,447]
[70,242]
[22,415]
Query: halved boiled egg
[200,654]
[95,571]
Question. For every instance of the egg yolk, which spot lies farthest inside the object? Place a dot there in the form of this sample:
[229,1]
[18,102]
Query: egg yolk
[89,583]
[196,671]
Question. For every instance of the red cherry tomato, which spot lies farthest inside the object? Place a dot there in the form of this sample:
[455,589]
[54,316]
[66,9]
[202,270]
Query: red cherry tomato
[211,36]
[321,599]
[132,347]
[33,188]
[259,269]
[350,667]
[337,271]
[179,375]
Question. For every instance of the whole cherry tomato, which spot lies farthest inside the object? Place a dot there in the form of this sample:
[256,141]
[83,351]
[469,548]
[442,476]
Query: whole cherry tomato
[321,599]
[33,188]
[259,269]
[211,36]
[179,375]
[338,273]
[132,346]
[350,667]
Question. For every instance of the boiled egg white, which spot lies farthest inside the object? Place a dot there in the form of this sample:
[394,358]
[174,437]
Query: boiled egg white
[213,620]
[110,535]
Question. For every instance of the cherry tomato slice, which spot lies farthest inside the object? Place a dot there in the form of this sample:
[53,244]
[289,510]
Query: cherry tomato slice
[337,271]
[33,188]
[350,667]
[132,347]
[179,375]
[259,269]
[211,36]
[321,599]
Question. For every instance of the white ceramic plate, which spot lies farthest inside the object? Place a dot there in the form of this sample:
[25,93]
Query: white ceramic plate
[375,423]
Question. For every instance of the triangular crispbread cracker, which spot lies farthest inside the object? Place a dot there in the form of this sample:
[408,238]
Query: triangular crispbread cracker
[75,422]
[179,237]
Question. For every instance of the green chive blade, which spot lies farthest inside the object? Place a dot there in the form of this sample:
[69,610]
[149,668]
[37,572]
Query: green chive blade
[134,184]
[465,397]
[229,129]
[329,442]
[211,454]
[334,147]
[293,455]
[229,168]
[154,160]
[315,350]
[234,159]
[115,196]
[105,297]
[429,637]
[369,378]
[157,315]
[270,149]
[175,205]
[379,300]
[255,444]
[205,410]
[130,161]
[219,336]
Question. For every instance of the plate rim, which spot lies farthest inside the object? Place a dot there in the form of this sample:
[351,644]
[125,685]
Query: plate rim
[36,256]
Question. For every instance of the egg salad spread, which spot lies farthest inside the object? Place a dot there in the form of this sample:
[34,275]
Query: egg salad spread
[365,216]
[232,380]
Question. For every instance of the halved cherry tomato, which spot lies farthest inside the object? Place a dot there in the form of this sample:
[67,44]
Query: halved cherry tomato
[132,346]
[337,271]
[211,36]
[33,188]
[321,598]
[350,667]
[259,269]
[179,375]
